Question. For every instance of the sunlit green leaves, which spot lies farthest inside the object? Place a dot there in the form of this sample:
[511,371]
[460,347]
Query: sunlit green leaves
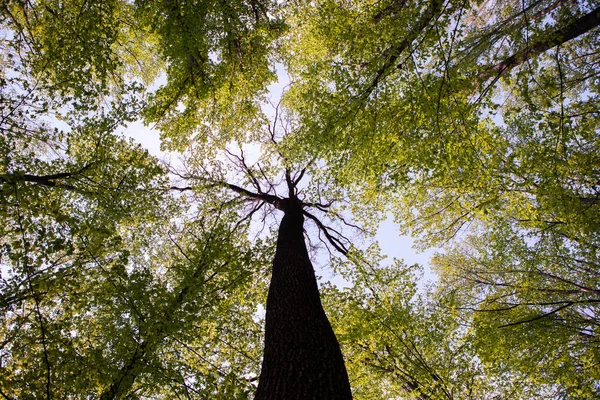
[219,61]
[79,47]
[474,124]
[483,121]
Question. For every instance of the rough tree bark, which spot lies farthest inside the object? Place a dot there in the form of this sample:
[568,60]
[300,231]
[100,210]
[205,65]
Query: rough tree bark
[302,357]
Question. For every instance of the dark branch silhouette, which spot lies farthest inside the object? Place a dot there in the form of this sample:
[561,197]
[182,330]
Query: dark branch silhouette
[545,42]
[44,180]
[393,53]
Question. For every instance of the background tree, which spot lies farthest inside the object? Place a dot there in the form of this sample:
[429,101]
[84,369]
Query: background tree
[106,280]
[110,285]
[515,292]
[456,115]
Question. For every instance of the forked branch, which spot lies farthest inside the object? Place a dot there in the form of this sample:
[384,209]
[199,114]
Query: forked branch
[333,237]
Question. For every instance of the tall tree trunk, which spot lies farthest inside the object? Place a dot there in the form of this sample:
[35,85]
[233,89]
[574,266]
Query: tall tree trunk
[302,357]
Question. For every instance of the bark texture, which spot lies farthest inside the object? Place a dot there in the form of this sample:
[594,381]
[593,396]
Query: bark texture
[302,357]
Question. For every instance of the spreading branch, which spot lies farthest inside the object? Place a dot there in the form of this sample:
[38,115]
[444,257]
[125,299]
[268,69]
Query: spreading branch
[549,313]
[335,242]
[247,170]
[545,42]
[266,197]
[393,53]
[334,237]
[44,180]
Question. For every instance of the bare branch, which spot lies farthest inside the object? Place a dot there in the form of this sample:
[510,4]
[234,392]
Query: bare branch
[349,224]
[301,175]
[324,207]
[335,242]
[549,313]
[181,189]
[249,215]
[273,129]
[268,198]
[247,169]
[271,186]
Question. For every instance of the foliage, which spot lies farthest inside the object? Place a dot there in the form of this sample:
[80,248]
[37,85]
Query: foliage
[111,285]
[402,342]
[159,315]
[473,123]
[535,301]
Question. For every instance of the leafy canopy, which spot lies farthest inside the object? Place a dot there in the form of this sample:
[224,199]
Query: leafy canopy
[473,123]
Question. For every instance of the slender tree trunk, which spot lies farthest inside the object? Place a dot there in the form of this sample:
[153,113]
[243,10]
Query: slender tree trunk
[302,357]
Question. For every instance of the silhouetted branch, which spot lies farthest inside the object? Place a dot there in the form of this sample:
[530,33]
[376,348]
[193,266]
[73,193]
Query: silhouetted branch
[321,206]
[271,199]
[44,180]
[301,175]
[549,313]
[249,215]
[181,189]
[562,35]
[335,242]
[242,163]
[544,42]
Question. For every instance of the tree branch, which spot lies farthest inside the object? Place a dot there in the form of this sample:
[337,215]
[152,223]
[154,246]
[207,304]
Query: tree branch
[568,304]
[389,10]
[562,35]
[336,243]
[246,169]
[268,198]
[394,52]
[320,206]
[44,180]
[4,395]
